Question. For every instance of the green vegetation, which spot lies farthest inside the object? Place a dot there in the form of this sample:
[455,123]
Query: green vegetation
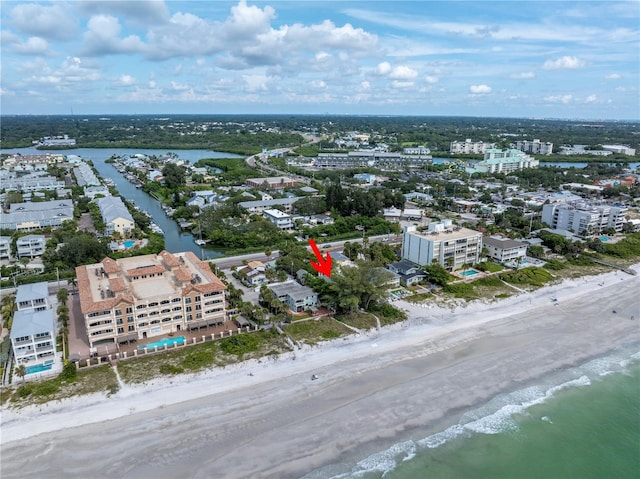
[234,170]
[69,383]
[626,248]
[316,330]
[461,290]
[531,276]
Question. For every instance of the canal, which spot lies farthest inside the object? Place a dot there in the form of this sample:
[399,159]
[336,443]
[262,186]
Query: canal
[174,238]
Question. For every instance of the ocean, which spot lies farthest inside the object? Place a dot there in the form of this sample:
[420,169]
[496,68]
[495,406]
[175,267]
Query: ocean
[579,423]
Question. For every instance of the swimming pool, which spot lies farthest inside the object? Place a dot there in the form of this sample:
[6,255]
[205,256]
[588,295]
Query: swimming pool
[129,243]
[604,238]
[38,368]
[165,341]
[469,272]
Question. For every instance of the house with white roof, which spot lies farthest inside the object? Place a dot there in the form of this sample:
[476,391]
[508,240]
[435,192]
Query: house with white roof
[33,338]
[33,296]
[115,215]
[30,246]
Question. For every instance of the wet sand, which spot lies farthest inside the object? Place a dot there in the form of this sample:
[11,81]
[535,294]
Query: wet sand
[372,391]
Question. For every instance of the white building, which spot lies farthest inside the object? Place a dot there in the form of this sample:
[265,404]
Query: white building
[33,337]
[450,246]
[279,218]
[115,215]
[582,217]
[30,246]
[468,147]
[34,296]
[535,147]
[504,249]
[5,247]
[622,149]
[503,161]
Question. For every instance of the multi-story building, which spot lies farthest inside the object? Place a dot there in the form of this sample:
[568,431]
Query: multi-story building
[297,297]
[504,249]
[5,247]
[370,158]
[468,147]
[30,246]
[272,183]
[622,149]
[279,218]
[450,246]
[33,337]
[85,175]
[583,218]
[62,140]
[145,296]
[33,216]
[31,182]
[535,147]
[115,215]
[260,205]
[503,161]
[34,296]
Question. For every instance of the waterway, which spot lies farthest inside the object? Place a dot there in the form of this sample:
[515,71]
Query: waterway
[174,238]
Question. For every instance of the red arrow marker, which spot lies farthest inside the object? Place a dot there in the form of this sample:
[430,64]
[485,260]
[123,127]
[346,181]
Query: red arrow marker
[322,266]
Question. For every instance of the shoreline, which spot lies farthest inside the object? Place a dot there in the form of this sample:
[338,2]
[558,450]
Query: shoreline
[372,389]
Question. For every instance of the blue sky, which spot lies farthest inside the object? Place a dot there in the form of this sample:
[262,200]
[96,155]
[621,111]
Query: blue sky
[513,59]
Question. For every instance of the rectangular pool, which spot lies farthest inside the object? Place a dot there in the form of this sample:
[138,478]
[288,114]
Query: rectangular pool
[161,343]
[469,272]
[38,368]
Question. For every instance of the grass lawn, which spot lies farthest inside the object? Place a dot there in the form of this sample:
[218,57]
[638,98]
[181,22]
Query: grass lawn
[359,320]
[316,330]
[90,380]
[492,267]
[418,298]
[190,359]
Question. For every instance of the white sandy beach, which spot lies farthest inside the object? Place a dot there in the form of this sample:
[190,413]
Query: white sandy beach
[372,390]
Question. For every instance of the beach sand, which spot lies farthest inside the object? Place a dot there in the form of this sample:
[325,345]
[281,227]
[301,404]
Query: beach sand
[373,390]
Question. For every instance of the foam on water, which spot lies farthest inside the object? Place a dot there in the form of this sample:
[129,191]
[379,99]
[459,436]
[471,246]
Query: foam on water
[497,416]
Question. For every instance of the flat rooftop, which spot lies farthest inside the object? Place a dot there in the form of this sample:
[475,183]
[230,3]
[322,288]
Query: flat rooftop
[450,234]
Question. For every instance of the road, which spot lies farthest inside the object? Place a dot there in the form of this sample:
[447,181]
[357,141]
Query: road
[230,261]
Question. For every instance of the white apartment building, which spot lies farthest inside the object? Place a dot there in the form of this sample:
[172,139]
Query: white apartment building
[30,246]
[279,218]
[504,249]
[151,295]
[450,246]
[503,161]
[623,149]
[535,147]
[467,146]
[583,218]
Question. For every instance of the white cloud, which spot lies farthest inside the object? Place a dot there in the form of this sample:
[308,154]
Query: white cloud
[102,37]
[591,99]
[143,12]
[479,89]
[33,46]
[383,68]
[403,73]
[365,85]
[564,63]
[402,84]
[522,75]
[559,98]
[127,80]
[612,76]
[49,22]
[431,79]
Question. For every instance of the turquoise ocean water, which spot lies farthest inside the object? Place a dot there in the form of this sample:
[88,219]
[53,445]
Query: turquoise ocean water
[581,423]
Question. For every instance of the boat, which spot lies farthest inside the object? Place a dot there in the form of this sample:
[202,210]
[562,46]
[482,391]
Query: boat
[201,242]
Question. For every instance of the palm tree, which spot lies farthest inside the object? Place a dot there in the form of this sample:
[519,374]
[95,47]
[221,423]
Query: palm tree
[21,371]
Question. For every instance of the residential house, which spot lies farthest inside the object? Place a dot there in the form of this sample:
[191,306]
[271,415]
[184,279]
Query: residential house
[34,296]
[280,219]
[253,274]
[33,338]
[409,272]
[504,249]
[5,247]
[115,215]
[299,298]
[30,246]
[33,216]
[260,206]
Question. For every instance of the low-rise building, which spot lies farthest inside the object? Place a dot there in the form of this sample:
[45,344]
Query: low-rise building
[504,249]
[30,246]
[469,147]
[115,215]
[299,298]
[33,216]
[253,274]
[260,206]
[503,161]
[450,246]
[408,272]
[33,296]
[280,219]
[272,183]
[5,247]
[146,296]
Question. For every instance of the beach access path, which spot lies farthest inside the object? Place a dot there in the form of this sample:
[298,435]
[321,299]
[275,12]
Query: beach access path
[373,390]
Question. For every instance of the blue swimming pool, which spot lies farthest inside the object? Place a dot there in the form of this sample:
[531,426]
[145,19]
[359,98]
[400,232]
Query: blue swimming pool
[129,243]
[38,368]
[604,238]
[165,341]
[469,272]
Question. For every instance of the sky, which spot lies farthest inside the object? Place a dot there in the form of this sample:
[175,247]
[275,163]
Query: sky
[499,59]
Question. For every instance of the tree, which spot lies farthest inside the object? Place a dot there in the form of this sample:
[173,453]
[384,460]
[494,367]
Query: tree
[359,286]
[174,175]
[63,294]
[437,274]
[21,371]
